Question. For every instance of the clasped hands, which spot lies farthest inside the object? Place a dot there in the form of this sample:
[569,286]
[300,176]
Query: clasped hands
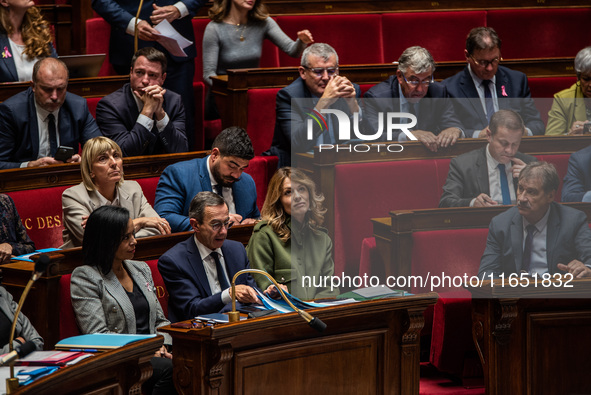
[337,87]
[153,97]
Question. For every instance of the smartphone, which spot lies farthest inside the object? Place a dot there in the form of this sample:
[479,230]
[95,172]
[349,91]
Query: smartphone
[587,128]
[63,153]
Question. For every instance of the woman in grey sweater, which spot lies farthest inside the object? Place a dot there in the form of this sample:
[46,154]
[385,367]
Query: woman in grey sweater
[234,39]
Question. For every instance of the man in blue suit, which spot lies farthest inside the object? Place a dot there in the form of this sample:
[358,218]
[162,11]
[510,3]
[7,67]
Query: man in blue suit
[120,14]
[484,87]
[198,271]
[34,123]
[143,117]
[413,90]
[319,87]
[577,182]
[222,172]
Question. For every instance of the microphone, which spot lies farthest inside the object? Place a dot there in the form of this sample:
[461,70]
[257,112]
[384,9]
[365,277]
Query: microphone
[234,316]
[40,267]
[20,352]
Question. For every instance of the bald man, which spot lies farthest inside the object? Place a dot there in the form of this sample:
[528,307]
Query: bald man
[36,122]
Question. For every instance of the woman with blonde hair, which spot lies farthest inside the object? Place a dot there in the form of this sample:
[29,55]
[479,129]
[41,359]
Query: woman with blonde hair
[234,40]
[289,242]
[25,38]
[103,185]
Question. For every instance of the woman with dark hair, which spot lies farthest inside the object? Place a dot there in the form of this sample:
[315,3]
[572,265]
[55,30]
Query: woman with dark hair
[234,40]
[13,235]
[113,294]
[290,243]
[24,39]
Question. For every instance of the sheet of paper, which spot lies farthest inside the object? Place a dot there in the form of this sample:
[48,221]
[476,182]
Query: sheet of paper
[372,292]
[172,40]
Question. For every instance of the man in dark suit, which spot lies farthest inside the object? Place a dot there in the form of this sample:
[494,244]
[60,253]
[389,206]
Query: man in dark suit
[557,238]
[412,90]
[34,123]
[484,87]
[142,117]
[198,271]
[577,182]
[482,178]
[120,14]
[222,172]
[318,87]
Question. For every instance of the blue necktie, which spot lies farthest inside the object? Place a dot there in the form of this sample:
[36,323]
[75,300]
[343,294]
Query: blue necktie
[221,274]
[219,189]
[52,134]
[504,185]
[488,100]
[527,248]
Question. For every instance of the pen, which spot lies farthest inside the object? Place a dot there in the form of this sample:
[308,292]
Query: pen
[83,350]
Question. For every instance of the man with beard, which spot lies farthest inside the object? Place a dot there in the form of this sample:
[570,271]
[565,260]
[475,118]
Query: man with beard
[538,236]
[220,172]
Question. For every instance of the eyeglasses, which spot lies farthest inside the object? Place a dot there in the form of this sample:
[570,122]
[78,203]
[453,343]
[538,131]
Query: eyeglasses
[217,225]
[416,82]
[486,63]
[319,71]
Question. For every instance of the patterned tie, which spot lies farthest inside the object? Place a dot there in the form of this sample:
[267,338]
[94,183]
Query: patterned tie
[488,100]
[52,134]
[504,185]
[527,249]
[219,189]
[221,274]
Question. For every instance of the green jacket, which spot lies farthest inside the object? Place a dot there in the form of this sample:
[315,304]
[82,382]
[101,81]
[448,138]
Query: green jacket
[567,108]
[307,253]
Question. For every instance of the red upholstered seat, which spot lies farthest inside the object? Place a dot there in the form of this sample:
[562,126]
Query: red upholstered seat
[340,31]
[261,169]
[92,103]
[41,213]
[98,32]
[161,291]
[261,118]
[541,33]
[403,30]
[371,190]
[67,319]
[149,188]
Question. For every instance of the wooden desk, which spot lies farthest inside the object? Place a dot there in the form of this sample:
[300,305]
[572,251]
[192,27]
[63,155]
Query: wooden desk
[42,305]
[121,371]
[394,234]
[85,87]
[367,348]
[535,341]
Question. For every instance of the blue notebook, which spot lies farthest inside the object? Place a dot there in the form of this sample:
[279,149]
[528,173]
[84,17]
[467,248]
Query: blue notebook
[99,341]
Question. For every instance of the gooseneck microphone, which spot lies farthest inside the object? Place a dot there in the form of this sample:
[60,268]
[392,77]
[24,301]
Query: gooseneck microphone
[234,316]
[19,352]
[40,267]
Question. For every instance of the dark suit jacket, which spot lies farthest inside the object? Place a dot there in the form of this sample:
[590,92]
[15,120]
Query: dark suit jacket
[119,12]
[512,93]
[182,269]
[568,238]
[19,131]
[578,176]
[8,71]
[468,178]
[435,110]
[116,115]
[180,182]
[291,127]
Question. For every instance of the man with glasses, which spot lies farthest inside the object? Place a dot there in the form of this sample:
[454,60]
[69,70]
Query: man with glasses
[221,172]
[198,271]
[484,87]
[318,87]
[413,90]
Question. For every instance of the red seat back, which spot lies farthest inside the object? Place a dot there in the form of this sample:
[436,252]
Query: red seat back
[41,213]
[149,188]
[98,33]
[261,118]
[161,292]
[342,32]
[403,30]
[67,319]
